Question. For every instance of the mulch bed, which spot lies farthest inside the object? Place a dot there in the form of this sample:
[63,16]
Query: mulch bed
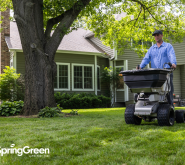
[36,116]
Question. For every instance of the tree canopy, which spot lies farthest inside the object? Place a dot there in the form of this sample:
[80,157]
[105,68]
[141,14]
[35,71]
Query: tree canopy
[141,18]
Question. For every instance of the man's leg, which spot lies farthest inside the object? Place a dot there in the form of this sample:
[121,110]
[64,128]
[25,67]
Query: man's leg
[170,95]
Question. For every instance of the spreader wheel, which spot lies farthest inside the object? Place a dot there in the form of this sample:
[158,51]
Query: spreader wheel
[130,118]
[180,116]
[165,115]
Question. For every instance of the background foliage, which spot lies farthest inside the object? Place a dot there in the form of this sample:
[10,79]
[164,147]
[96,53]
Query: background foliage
[110,76]
[11,85]
[140,19]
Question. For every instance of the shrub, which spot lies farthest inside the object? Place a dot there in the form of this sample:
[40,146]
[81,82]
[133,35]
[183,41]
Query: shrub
[86,102]
[8,108]
[75,102]
[96,102]
[106,101]
[82,100]
[73,112]
[11,85]
[111,78]
[50,111]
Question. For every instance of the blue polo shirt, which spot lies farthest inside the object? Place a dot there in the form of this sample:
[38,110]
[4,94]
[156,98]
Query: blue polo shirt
[158,56]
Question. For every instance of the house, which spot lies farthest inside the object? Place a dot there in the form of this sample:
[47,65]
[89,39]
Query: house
[77,56]
[81,56]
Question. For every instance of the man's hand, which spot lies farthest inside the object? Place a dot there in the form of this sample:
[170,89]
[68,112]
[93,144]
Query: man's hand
[137,67]
[173,66]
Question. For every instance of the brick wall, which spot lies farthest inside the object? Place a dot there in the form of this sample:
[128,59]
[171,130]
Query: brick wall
[4,51]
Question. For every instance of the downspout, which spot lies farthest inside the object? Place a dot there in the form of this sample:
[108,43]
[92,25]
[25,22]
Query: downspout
[95,77]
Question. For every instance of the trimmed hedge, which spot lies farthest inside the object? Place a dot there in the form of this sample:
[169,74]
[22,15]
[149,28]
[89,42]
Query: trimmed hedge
[81,101]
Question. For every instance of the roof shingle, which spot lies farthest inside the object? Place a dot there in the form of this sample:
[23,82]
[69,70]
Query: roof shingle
[74,41]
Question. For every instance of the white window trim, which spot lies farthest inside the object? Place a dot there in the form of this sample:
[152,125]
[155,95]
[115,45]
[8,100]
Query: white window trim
[99,80]
[123,69]
[15,61]
[82,89]
[11,58]
[63,89]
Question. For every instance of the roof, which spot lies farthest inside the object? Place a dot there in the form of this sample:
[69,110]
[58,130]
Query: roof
[97,42]
[74,41]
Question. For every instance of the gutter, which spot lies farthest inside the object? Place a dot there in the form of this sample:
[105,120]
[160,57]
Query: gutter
[67,52]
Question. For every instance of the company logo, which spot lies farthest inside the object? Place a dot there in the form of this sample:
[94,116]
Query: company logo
[24,150]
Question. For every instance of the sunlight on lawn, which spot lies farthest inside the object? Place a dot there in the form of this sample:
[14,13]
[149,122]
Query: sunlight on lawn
[105,109]
[96,136]
[95,109]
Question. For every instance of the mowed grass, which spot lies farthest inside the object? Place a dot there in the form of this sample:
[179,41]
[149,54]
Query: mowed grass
[96,136]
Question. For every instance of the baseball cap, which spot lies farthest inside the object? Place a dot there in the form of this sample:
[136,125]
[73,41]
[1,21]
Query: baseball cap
[157,32]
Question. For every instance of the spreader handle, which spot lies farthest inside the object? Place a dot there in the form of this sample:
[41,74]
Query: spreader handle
[169,63]
[138,66]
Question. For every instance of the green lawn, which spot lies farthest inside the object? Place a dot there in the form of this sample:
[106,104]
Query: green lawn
[96,136]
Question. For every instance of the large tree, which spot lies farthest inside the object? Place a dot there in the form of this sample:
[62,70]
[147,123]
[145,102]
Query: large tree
[42,25]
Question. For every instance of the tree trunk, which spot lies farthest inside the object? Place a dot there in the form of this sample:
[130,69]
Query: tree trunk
[40,68]
[40,71]
[39,77]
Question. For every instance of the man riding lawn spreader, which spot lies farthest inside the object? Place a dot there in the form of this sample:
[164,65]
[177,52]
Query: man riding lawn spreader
[154,86]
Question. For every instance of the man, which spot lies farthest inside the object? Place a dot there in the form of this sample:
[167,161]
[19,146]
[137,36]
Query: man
[158,54]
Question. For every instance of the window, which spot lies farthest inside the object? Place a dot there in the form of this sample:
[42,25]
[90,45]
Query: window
[78,77]
[83,77]
[87,77]
[148,44]
[120,85]
[98,78]
[62,80]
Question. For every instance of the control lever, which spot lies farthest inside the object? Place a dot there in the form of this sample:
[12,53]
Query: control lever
[170,64]
[138,66]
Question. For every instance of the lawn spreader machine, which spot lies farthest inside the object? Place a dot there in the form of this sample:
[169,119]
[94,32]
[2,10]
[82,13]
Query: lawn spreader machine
[151,87]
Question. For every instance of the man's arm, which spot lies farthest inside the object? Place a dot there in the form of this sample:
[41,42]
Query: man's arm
[146,59]
[171,56]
